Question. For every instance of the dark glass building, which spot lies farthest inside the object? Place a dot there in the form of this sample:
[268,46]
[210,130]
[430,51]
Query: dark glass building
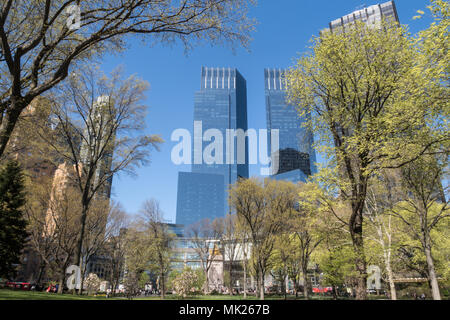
[220,105]
[295,155]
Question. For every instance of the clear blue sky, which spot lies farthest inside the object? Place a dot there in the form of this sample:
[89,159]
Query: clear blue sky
[283,33]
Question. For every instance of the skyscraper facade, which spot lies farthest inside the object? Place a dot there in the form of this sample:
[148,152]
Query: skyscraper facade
[101,118]
[371,15]
[219,105]
[295,154]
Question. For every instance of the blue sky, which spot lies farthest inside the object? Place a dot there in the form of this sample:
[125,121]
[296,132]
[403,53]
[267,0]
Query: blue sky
[283,33]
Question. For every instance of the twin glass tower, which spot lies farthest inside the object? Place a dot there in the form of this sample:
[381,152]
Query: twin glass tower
[221,104]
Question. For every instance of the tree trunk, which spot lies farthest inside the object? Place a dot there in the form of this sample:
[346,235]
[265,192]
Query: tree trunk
[78,255]
[61,282]
[261,284]
[387,262]
[432,274]
[206,289]
[285,286]
[295,289]
[334,293]
[305,283]
[391,282]
[360,259]
[41,273]
[9,120]
[245,279]
[163,286]
[82,273]
[258,285]
[231,277]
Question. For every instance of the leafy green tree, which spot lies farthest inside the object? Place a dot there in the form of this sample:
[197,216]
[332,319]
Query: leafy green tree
[381,228]
[144,278]
[424,207]
[374,105]
[100,124]
[160,242]
[307,228]
[13,225]
[283,253]
[337,267]
[263,210]
[43,41]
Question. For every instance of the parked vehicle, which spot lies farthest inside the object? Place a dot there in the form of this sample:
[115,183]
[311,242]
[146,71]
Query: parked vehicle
[18,285]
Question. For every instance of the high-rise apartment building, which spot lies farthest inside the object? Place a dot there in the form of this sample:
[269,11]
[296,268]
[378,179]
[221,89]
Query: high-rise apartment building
[220,105]
[100,122]
[295,154]
[371,15]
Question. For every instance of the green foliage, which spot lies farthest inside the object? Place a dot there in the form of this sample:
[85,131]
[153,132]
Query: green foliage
[40,46]
[144,278]
[12,222]
[338,266]
[378,99]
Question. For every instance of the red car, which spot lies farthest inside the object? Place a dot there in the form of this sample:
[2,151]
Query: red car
[19,285]
[322,290]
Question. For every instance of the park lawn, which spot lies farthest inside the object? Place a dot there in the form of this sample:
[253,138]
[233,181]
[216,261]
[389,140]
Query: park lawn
[8,294]
[228,297]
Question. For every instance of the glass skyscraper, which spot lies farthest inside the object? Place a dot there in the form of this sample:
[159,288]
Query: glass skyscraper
[220,104]
[295,155]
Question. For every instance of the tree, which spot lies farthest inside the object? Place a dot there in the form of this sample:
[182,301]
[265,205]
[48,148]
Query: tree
[186,283]
[137,256]
[382,195]
[204,236]
[102,223]
[244,249]
[284,259]
[62,224]
[91,283]
[307,229]
[98,123]
[230,243]
[13,225]
[144,279]
[115,246]
[368,90]
[36,209]
[42,41]
[424,208]
[160,242]
[262,210]
[335,262]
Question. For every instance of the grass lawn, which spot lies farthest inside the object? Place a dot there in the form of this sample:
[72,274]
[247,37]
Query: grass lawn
[8,294]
